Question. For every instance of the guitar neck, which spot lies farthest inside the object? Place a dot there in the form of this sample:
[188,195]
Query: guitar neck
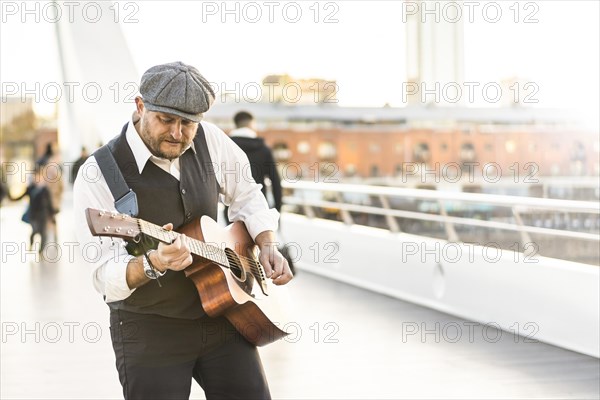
[197,247]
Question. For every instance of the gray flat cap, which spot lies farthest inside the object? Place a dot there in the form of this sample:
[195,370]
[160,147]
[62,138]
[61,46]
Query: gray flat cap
[176,88]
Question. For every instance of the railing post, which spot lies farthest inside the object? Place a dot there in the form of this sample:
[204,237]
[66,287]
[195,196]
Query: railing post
[525,238]
[448,226]
[346,216]
[308,211]
[390,219]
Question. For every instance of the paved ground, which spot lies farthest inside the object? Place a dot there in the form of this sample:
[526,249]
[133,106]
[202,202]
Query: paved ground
[351,343]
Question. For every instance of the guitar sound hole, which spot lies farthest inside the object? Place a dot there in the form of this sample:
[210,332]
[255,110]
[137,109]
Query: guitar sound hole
[235,265]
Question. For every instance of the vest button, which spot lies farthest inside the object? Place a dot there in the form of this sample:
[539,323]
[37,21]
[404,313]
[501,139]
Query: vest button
[182,191]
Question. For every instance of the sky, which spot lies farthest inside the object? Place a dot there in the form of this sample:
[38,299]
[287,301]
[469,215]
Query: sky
[361,45]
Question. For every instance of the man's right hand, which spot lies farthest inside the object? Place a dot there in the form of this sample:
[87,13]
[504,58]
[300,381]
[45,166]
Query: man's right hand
[175,256]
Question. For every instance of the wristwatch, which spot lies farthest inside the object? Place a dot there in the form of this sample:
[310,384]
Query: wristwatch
[149,269]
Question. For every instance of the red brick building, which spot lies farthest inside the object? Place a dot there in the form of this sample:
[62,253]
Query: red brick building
[387,142]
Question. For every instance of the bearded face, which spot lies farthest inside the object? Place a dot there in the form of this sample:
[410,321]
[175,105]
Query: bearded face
[165,135]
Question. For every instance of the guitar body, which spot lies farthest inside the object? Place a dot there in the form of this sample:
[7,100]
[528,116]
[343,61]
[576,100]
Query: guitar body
[235,292]
[229,279]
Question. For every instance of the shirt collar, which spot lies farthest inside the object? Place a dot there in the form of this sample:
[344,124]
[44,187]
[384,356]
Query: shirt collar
[139,149]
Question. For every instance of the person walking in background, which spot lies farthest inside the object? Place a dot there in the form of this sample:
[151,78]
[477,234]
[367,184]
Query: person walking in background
[47,156]
[78,163]
[262,166]
[262,163]
[40,211]
[3,181]
[3,191]
[51,167]
[3,185]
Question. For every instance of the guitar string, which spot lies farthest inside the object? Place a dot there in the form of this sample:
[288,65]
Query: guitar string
[196,244]
[170,235]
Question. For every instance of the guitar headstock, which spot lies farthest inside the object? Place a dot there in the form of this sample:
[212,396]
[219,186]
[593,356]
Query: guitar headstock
[105,223]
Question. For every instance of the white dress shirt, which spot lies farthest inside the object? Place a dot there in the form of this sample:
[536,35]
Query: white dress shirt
[236,187]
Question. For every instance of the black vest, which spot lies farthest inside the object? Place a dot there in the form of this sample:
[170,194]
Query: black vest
[163,199]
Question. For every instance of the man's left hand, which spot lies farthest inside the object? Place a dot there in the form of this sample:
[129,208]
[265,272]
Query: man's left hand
[275,265]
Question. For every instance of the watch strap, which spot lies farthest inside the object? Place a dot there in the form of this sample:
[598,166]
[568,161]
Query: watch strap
[155,273]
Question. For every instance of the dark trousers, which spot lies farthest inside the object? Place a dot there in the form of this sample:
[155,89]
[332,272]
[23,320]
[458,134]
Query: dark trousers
[39,227]
[157,357]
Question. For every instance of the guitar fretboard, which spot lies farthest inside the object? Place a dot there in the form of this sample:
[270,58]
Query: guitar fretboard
[199,248]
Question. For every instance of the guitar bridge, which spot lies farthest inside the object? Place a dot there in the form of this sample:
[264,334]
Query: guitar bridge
[262,278]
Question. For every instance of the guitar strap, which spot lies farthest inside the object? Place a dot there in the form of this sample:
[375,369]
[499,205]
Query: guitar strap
[125,198]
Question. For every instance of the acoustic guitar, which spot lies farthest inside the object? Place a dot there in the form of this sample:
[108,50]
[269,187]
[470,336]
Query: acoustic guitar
[228,276]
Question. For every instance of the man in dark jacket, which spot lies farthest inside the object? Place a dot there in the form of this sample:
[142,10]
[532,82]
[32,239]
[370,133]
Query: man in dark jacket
[261,158]
[262,164]
[78,163]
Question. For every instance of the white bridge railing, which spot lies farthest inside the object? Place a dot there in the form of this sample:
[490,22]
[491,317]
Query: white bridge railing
[501,260]
[348,198]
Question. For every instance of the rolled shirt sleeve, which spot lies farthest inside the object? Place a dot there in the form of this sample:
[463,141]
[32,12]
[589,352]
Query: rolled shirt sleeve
[107,257]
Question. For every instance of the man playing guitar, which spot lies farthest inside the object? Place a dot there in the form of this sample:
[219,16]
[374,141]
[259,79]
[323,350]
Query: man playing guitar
[178,166]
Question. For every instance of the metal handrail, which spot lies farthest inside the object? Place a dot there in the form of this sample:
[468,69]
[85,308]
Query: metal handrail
[493,199]
[441,218]
[516,204]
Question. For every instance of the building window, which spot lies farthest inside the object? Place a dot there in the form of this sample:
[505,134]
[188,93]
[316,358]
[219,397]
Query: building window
[467,152]
[350,170]
[303,147]
[327,151]
[281,152]
[578,152]
[510,146]
[421,152]
[374,170]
